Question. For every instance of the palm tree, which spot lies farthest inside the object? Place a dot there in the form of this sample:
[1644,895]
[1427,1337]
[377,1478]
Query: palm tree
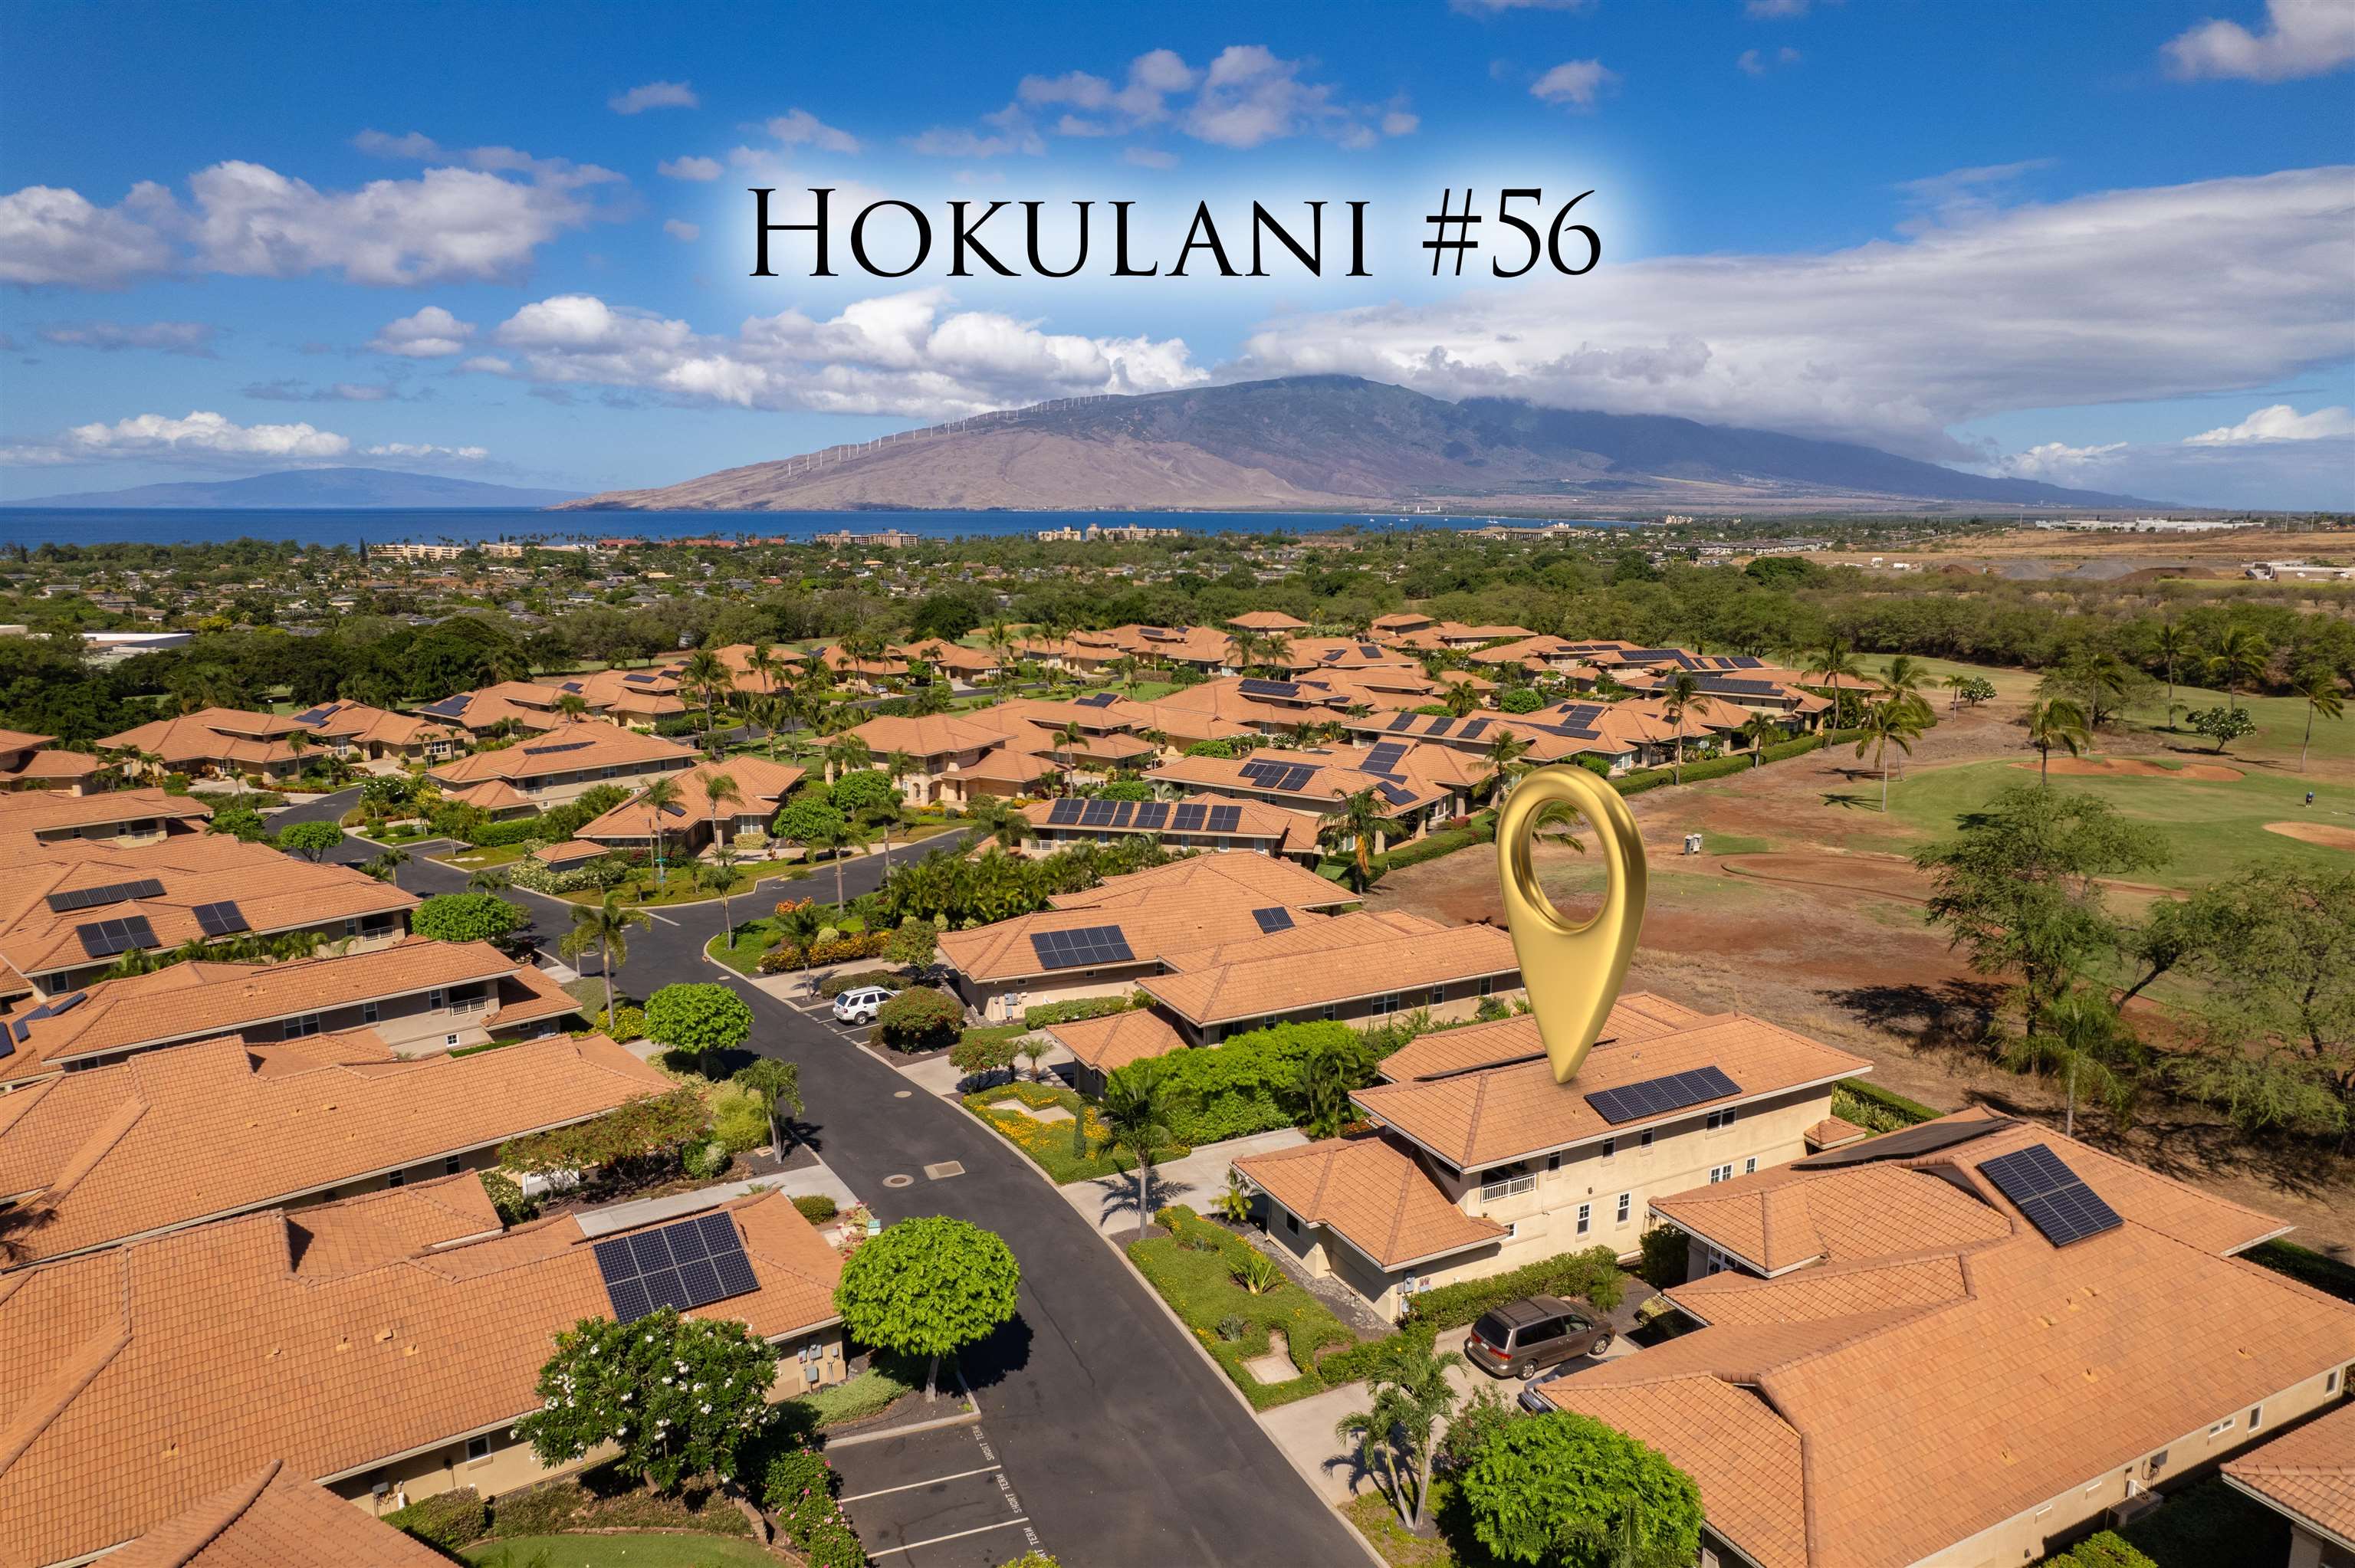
[722,792]
[1125,669]
[1461,699]
[1505,750]
[2079,1036]
[1358,823]
[299,741]
[2239,655]
[1411,1396]
[705,673]
[1244,645]
[604,928]
[719,875]
[1005,822]
[1758,729]
[657,798]
[2172,644]
[1830,666]
[2055,721]
[1137,1117]
[490,879]
[2319,687]
[1892,721]
[897,765]
[761,663]
[1000,640]
[840,840]
[846,753]
[1275,651]
[1903,677]
[1067,738]
[1677,698]
[572,706]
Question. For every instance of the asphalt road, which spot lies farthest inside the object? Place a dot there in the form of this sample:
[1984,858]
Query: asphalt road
[1123,1445]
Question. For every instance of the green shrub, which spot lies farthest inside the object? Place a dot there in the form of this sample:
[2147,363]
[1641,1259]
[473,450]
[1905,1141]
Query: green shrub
[1247,1084]
[698,1016]
[920,1019]
[625,1022]
[2106,1550]
[1667,1256]
[705,1161]
[506,1197]
[1193,1268]
[739,1119]
[1879,1110]
[841,980]
[1478,830]
[816,1207]
[1071,1012]
[448,1521]
[2318,1269]
[2204,1524]
[468,918]
[1050,1144]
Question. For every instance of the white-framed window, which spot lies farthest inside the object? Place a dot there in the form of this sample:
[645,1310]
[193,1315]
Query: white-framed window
[1507,1181]
[1718,1120]
[2330,1382]
[301,1028]
[1643,1140]
[2218,1429]
[1750,1166]
[1610,1147]
[1386,1003]
[451,1165]
[1488,985]
[1719,1173]
[2256,1416]
[1626,1206]
[1438,994]
[450,1042]
[1585,1218]
[367,1012]
[478,1448]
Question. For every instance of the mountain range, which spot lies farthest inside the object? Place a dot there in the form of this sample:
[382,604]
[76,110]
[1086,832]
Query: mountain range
[326,488]
[1338,442]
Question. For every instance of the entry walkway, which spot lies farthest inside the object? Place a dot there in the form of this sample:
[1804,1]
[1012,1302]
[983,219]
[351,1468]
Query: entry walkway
[1109,1203]
[809,1181]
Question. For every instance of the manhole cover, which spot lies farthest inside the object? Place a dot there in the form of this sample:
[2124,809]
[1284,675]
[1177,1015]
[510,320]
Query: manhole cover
[901,1093]
[945,1168]
[898,1180]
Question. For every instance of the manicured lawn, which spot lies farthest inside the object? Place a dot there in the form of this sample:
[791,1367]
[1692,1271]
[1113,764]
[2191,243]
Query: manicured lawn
[1193,1268]
[475,859]
[1451,1545]
[887,1381]
[648,1551]
[2013,685]
[741,949]
[680,887]
[1050,1143]
[2281,726]
[2216,829]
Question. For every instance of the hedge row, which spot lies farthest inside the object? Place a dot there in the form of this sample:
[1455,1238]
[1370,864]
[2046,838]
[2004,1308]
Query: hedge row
[1893,1108]
[1071,1012]
[2307,1266]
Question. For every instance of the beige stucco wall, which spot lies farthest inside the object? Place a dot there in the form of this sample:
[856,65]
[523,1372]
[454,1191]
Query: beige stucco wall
[1455,1001]
[983,996]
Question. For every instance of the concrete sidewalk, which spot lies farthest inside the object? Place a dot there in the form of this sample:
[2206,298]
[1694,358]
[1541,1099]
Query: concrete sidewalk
[809,1181]
[1109,1203]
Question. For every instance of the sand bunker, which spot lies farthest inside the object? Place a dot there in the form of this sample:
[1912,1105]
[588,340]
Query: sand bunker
[2135,768]
[2323,834]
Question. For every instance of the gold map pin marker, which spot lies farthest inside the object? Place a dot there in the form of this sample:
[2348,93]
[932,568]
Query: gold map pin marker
[1573,972]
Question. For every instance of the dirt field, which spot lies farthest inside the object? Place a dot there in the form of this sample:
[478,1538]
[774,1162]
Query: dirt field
[2321,833]
[2131,767]
[1806,912]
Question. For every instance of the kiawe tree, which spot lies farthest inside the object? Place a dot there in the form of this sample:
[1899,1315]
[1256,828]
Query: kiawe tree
[467,917]
[928,1287]
[1568,1491]
[677,1396]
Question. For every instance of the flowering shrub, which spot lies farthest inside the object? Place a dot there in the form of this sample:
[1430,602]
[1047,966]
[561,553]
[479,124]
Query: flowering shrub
[647,1126]
[677,1396]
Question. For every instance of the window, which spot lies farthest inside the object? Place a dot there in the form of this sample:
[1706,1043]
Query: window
[1438,994]
[1585,1218]
[1553,1161]
[1627,1203]
[397,1178]
[1292,1223]
[1750,1166]
[435,999]
[301,1028]
[367,1012]
[1506,1181]
[2155,1463]
[2256,1416]
[2217,1429]
[450,1041]
[2330,1382]
[1718,1120]
[1488,985]
[478,1448]
[1328,1013]
[1610,1147]
[451,1166]
[1643,1141]
[1719,1173]
[1386,1003]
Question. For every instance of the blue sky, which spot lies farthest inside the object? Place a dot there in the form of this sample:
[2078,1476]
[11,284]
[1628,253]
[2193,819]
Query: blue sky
[2100,244]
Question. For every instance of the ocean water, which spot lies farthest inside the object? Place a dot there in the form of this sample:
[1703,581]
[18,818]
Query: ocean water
[32,526]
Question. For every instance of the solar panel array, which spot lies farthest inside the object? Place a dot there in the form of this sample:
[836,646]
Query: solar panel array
[1657,1096]
[1273,920]
[1097,700]
[108,938]
[641,678]
[552,750]
[1440,726]
[1395,794]
[1082,948]
[1063,813]
[690,1264]
[1473,728]
[573,686]
[15,1032]
[448,707]
[1402,722]
[1224,819]
[1384,758]
[1270,688]
[1279,776]
[112,893]
[319,715]
[222,919]
[2055,1198]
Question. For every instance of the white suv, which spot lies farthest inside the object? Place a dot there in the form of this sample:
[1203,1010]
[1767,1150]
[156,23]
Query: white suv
[861,1005]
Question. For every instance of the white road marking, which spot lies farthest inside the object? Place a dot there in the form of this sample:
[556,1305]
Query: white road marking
[960,1535]
[663,919]
[911,1485]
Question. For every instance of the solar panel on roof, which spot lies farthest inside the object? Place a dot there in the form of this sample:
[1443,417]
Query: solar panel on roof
[315,715]
[1225,819]
[2051,1196]
[108,938]
[1082,948]
[1296,777]
[1273,920]
[1394,794]
[1370,650]
[552,750]
[1473,728]
[448,707]
[1153,815]
[1097,700]
[674,809]
[1096,814]
[573,686]
[1124,812]
[1440,726]
[1400,722]
[222,919]
[1063,813]
[111,893]
[1270,688]
[689,1264]
[1187,819]
[1904,1143]
[1384,758]
[640,678]
[1657,1096]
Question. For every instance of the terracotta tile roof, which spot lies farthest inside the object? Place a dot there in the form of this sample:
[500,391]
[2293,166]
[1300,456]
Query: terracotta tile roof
[1187,918]
[1833,1131]
[275,892]
[1328,784]
[144,1379]
[1245,873]
[2306,1473]
[1634,1019]
[760,789]
[1112,1043]
[1266,621]
[22,740]
[592,743]
[490,795]
[1376,1195]
[360,723]
[1850,1390]
[929,734]
[210,734]
[190,1000]
[1251,988]
[1334,933]
[82,1151]
[1497,1115]
[569,853]
[274,1519]
[62,765]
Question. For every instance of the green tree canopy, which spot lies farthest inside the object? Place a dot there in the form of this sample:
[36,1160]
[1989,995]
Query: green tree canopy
[700,1017]
[920,1018]
[468,918]
[678,1396]
[1568,1491]
[865,790]
[312,840]
[928,1287]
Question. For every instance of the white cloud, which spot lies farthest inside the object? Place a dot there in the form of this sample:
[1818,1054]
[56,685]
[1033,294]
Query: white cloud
[192,338]
[291,389]
[907,354]
[431,334]
[1149,158]
[2055,462]
[799,127]
[1575,83]
[2234,283]
[53,236]
[415,146]
[1011,133]
[562,174]
[2302,39]
[200,437]
[688,169]
[680,230]
[2280,423]
[654,95]
[488,365]
[1758,62]
[2313,468]
[417,452]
